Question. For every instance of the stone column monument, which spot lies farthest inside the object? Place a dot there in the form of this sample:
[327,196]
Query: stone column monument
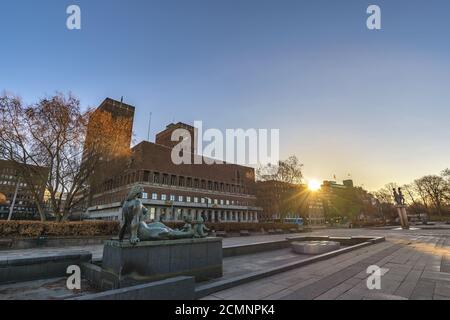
[401,208]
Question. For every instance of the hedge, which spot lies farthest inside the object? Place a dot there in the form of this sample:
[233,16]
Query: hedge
[34,229]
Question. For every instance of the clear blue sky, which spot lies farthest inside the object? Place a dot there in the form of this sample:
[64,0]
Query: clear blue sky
[374,104]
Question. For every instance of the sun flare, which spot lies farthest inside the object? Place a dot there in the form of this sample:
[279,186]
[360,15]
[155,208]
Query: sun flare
[313,185]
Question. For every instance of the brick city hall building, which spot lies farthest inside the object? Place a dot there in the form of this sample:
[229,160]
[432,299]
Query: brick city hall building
[223,192]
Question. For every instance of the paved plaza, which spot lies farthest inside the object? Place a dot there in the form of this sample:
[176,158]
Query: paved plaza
[97,250]
[415,264]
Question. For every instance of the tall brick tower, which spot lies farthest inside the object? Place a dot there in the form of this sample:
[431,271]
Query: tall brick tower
[117,111]
[110,125]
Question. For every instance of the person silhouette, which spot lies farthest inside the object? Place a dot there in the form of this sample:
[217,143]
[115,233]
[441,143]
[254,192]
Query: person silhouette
[401,197]
[396,196]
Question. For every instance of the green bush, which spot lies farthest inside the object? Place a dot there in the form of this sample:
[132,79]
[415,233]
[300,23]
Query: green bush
[34,229]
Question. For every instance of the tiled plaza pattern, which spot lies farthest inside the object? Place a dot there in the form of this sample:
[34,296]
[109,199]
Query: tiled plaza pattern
[415,265]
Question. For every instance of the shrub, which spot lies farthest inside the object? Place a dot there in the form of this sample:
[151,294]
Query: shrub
[34,229]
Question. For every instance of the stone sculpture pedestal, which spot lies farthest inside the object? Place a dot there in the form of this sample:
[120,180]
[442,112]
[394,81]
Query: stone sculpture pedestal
[401,210]
[155,260]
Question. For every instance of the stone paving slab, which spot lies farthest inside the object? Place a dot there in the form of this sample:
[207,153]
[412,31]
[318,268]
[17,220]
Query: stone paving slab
[330,282]
[47,289]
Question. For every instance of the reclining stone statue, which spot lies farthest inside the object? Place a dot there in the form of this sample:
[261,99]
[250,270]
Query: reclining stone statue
[134,213]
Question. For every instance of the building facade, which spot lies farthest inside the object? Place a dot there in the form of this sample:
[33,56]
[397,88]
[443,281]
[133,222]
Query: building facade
[276,199]
[286,200]
[330,188]
[221,192]
[108,139]
[316,210]
[14,188]
[345,201]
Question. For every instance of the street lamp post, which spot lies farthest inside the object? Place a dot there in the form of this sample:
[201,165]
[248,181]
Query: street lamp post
[174,215]
[207,207]
[13,203]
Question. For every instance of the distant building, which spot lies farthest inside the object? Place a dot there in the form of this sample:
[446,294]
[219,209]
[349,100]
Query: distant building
[222,192]
[272,197]
[11,181]
[328,189]
[328,186]
[348,183]
[316,211]
[341,197]
[286,200]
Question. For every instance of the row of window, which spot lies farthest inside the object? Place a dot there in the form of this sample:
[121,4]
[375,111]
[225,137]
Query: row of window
[188,199]
[21,195]
[6,176]
[9,171]
[173,180]
[12,183]
[25,209]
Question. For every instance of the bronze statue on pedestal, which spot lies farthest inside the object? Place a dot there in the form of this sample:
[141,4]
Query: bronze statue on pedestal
[134,213]
[399,197]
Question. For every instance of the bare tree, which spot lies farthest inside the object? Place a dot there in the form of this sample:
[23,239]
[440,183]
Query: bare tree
[289,171]
[51,134]
[418,199]
[15,145]
[435,188]
[385,194]
[445,174]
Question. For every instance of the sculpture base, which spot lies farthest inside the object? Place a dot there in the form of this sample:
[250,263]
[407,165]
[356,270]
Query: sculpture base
[156,260]
[401,210]
[314,247]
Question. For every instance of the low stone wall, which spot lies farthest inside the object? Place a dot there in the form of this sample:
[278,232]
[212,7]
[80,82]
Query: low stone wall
[239,250]
[346,241]
[18,244]
[178,288]
[35,268]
